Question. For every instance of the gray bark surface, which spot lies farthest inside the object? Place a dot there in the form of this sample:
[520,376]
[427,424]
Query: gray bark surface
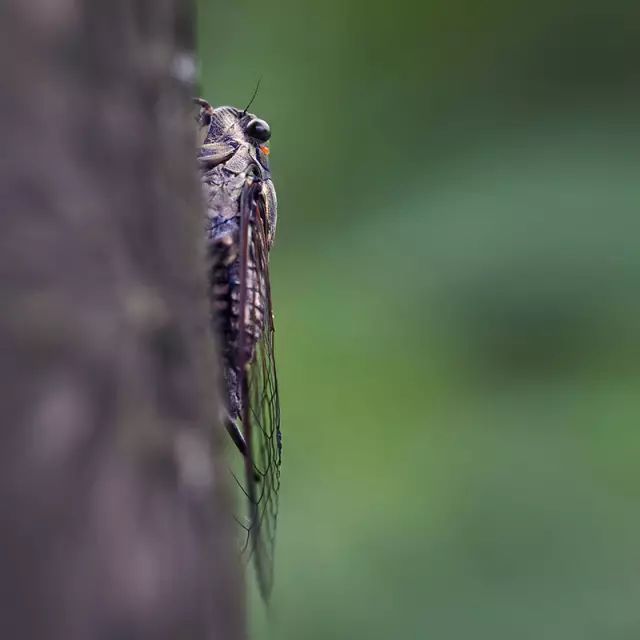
[114,522]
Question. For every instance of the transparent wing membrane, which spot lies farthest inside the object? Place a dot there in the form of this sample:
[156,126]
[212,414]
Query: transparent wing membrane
[260,413]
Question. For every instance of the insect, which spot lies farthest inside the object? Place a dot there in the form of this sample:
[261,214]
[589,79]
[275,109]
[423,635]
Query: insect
[240,227]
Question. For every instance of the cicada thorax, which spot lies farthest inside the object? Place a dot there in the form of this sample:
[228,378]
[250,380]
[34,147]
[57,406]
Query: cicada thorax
[237,284]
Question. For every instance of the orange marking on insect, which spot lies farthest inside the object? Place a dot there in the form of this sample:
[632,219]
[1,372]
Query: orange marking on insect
[265,150]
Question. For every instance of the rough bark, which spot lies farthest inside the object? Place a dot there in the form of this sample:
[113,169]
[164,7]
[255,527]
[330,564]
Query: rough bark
[113,514]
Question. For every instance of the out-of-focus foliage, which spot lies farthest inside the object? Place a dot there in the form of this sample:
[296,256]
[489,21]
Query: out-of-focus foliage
[456,281]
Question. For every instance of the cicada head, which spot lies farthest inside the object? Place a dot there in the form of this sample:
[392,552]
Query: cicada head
[238,140]
[234,129]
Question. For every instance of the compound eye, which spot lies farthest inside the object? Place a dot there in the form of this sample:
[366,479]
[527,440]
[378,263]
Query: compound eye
[258,130]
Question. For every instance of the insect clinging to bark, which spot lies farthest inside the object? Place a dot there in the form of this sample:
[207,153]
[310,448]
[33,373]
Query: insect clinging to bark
[240,227]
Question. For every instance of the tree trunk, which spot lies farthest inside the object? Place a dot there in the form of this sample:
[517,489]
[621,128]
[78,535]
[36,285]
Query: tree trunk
[113,515]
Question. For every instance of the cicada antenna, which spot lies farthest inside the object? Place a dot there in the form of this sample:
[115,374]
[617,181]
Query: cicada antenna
[253,97]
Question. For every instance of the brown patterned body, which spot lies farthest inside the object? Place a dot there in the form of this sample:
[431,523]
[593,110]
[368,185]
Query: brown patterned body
[240,227]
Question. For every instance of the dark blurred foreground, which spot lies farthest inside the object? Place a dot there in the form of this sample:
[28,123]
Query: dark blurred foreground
[112,512]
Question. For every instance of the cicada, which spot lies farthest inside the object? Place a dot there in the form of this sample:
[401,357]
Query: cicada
[240,225]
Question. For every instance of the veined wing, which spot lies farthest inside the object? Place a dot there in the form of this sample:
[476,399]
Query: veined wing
[258,387]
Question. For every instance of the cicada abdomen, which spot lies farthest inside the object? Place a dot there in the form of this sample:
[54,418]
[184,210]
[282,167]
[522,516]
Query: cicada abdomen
[240,226]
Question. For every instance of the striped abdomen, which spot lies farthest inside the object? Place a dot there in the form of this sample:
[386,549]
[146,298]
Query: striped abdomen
[225,300]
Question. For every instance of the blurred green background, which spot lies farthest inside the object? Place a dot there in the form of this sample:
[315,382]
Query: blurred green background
[456,280]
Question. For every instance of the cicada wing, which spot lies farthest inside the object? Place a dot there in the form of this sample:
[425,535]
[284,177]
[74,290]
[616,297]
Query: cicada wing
[259,388]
